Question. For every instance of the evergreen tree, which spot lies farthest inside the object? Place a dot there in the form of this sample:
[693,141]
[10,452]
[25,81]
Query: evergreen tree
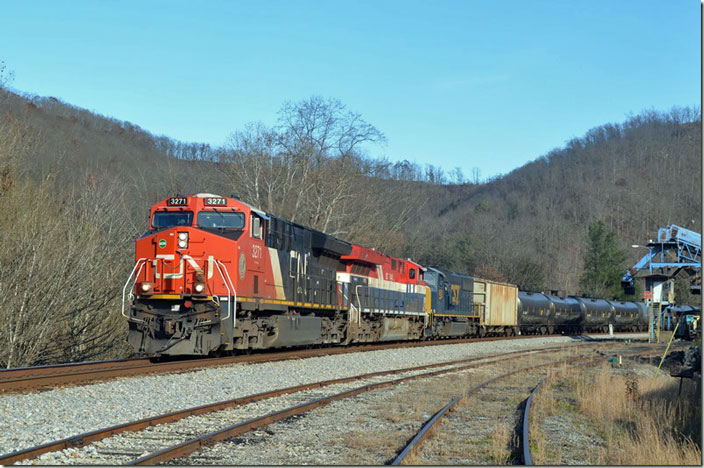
[604,263]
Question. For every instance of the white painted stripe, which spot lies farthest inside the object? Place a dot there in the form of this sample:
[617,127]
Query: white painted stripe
[193,263]
[344,277]
[211,260]
[276,270]
[188,258]
[391,312]
[169,275]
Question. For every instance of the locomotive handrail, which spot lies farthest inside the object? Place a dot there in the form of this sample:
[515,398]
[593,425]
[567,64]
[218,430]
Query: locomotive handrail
[140,262]
[359,302]
[230,292]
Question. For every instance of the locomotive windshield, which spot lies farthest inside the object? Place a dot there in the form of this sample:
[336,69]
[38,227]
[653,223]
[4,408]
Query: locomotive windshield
[431,278]
[218,219]
[167,219]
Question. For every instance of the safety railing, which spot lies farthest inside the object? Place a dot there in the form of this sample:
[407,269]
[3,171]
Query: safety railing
[139,263]
[160,275]
[231,293]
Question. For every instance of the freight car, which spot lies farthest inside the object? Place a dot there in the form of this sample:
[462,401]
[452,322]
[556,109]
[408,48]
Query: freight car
[541,313]
[625,316]
[215,275]
[463,305]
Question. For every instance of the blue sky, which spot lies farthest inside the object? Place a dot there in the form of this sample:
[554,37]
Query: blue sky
[485,84]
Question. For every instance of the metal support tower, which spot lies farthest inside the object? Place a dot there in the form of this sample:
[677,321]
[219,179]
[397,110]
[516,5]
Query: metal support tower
[676,249]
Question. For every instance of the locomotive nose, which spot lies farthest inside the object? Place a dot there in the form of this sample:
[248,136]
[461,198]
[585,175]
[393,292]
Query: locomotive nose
[166,243]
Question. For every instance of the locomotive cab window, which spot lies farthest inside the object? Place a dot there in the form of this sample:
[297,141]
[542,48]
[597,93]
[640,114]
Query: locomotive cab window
[256,227]
[431,279]
[220,220]
[167,219]
[412,273]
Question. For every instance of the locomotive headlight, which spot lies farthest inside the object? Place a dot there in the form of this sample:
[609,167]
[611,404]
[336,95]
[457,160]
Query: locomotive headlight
[145,287]
[199,287]
[183,240]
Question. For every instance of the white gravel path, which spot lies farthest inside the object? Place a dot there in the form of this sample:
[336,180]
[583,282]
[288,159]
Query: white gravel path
[34,418]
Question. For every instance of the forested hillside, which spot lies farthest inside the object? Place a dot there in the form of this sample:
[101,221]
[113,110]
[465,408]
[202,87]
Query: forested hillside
[531,224]
[75,188]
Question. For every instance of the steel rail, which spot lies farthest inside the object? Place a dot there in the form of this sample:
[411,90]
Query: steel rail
[427,428]
[93,436]
[187,447]
[15,372]
[525,439]
[525,442]
[34,378]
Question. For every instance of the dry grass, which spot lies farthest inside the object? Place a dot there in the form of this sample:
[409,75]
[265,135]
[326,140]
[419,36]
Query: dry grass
[360,440]
[477,431]
[545,406]
[642,420]
[422,397]
[411,459]
[499,449]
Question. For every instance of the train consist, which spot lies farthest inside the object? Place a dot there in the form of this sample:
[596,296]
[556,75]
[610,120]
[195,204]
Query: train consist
[214,275]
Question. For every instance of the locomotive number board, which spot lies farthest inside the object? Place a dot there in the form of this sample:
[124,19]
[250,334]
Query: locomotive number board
[215,202]
[177,201]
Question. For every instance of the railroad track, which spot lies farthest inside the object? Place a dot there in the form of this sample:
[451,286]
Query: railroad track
[36,378]
[526,455]
[146,434]
[409,454]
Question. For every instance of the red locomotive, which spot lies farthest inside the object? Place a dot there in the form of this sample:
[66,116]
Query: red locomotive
[214,274]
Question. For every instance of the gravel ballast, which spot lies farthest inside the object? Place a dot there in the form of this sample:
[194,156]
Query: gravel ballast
[39,417]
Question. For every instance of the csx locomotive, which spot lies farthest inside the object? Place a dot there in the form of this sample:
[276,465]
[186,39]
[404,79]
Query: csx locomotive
[214,275]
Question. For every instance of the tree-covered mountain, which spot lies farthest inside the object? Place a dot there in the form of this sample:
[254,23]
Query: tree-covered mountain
[75,188]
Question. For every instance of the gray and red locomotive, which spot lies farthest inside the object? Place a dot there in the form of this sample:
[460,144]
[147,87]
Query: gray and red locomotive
[214,275]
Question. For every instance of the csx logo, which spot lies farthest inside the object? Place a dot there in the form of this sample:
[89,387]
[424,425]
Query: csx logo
[455,294]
